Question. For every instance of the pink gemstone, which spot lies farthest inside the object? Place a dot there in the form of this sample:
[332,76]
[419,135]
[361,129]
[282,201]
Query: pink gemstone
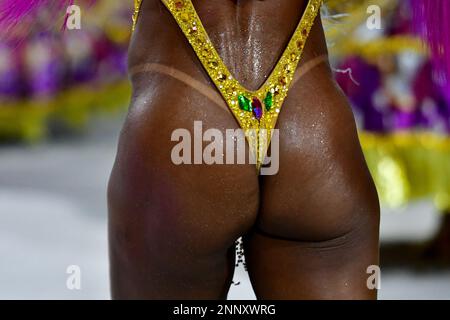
[179,4]
[257,108]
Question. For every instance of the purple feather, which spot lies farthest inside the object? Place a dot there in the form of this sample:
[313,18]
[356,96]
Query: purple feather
[13,12]
[432,19]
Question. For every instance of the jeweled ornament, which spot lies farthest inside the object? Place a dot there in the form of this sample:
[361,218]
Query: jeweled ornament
[257,108]
[179,5]
[244,103]
[268,101]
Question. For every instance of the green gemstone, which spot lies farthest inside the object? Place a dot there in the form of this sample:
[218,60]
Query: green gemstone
[244,103]
[268,100]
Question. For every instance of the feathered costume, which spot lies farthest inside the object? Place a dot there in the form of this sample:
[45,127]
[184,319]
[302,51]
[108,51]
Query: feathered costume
[399,90]
[49,75]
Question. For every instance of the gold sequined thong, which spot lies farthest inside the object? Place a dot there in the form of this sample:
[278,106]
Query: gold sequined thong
[255,111]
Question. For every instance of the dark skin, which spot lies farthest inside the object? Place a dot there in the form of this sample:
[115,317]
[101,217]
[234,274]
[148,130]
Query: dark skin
[310,231]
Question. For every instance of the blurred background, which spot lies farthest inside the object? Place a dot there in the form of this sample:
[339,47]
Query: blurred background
[63,98]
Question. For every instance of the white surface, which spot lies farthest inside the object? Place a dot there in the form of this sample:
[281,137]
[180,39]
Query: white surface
[40,236]
[417,222]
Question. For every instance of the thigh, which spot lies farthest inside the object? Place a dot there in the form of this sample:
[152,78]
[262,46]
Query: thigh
[317,229]
[172,227]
